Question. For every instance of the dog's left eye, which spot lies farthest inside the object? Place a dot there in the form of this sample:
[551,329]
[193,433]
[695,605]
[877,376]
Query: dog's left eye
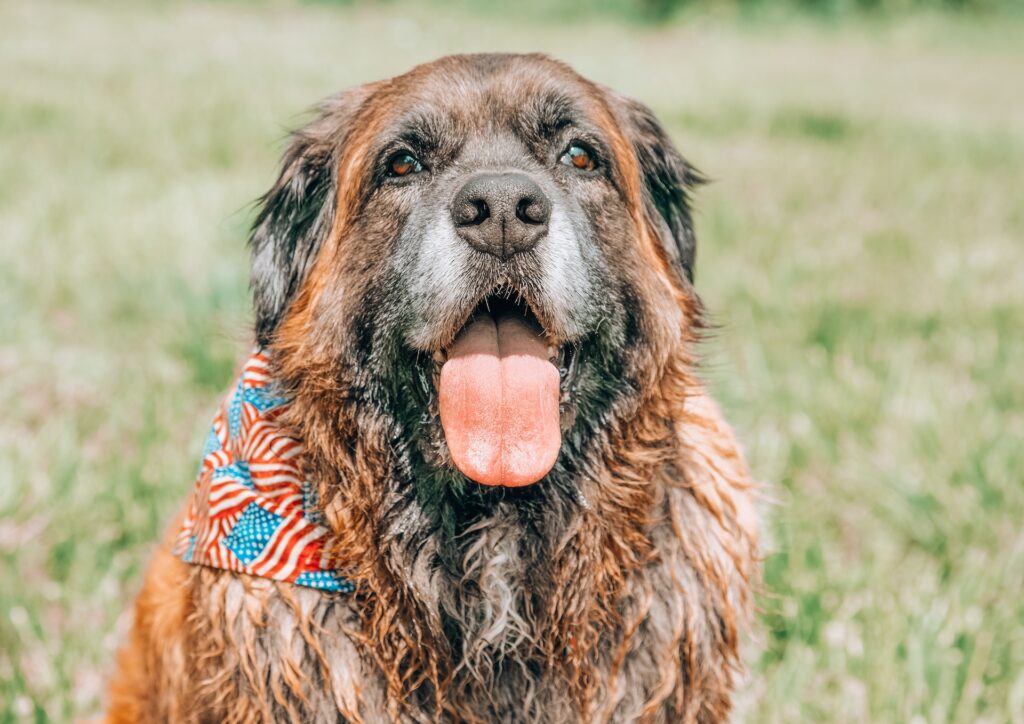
[580,157]
[404,164]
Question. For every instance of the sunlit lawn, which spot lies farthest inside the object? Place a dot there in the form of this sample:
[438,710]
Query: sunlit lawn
[862,250]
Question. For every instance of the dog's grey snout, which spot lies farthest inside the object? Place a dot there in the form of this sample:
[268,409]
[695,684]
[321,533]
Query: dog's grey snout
[501,213]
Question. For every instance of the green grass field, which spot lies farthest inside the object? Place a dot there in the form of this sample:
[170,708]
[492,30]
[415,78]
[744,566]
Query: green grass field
[862,250]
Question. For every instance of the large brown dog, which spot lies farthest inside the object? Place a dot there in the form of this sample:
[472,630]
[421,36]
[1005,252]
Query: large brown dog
[473,282]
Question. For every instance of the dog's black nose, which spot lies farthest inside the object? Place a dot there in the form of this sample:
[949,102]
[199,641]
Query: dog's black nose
[501,213]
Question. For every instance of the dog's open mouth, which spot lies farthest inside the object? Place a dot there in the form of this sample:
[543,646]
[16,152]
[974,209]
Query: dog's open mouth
[499,395]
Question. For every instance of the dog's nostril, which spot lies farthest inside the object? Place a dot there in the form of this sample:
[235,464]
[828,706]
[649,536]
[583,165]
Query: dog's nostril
[532,210]
[472,212]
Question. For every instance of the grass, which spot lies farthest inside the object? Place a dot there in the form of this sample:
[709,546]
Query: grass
[862,251]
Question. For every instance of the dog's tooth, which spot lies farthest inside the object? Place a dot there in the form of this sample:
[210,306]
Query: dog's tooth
[439,357]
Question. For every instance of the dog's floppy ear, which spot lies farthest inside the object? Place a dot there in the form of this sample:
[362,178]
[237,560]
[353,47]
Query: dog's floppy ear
[667,179]
[297,213]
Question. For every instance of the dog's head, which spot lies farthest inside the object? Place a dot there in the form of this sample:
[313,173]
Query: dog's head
[491,252]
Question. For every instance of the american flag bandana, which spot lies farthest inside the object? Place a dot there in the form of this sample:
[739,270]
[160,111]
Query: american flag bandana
[251,510]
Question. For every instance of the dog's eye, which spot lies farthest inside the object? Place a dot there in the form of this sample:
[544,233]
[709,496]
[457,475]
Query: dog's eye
[579,157]
[404,164]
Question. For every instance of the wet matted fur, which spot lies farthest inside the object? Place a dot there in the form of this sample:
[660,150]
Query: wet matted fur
[615,588]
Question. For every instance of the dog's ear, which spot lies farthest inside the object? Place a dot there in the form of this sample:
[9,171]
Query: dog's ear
[667,180]
[297,213]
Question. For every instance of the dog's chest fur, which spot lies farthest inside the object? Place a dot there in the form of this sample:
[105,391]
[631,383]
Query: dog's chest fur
[662,649]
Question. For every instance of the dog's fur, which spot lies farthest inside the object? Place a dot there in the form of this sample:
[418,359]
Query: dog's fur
[615,588]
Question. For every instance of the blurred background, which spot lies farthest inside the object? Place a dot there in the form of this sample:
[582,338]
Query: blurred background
[861,250]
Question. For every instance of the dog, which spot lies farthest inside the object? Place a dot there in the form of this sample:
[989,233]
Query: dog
[473,408]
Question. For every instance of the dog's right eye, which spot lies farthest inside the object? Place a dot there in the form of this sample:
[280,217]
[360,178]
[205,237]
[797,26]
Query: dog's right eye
[403,164]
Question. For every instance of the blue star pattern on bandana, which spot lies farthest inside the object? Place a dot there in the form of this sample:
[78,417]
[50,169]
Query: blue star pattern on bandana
[252,532]
[262,399]
[325,580]
[237,471]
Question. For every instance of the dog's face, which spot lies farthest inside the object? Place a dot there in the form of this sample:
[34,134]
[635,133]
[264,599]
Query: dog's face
[490,251]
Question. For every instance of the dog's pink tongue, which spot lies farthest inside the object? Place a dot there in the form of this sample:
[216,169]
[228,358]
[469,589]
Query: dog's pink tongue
[499,403]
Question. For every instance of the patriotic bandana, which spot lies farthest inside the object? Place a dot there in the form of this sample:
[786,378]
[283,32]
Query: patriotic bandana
[251,510]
